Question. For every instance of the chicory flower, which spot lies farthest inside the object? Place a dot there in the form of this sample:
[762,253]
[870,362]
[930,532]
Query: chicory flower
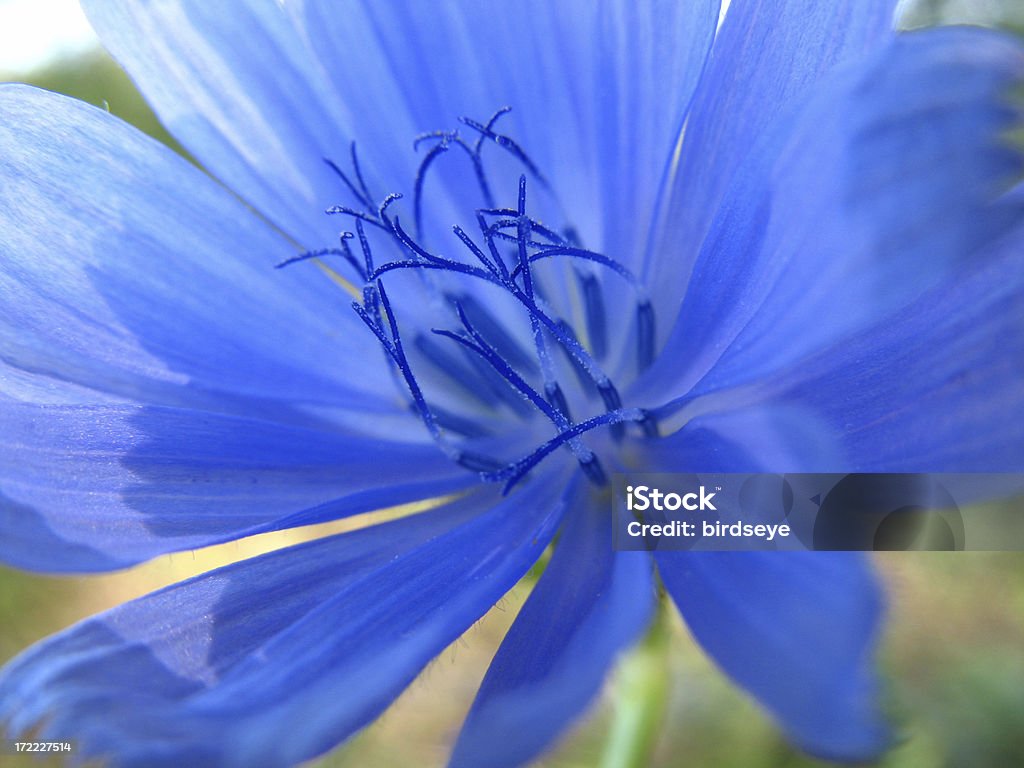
[790,243]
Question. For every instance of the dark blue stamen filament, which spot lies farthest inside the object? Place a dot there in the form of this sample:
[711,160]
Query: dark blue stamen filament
[345,252]
[506,143]
[645,335]
[445,139]
[593,305]
[551,388]
[478,344]
[391,340]
[495,366]
[426,260]
[515,471]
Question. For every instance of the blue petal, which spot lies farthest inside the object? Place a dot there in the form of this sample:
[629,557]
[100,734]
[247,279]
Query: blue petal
[598,90]
[261,93]
[275,660]
[737,436]
[590,604]
[795,630]
[239,87]
[936,388]
[877,191]
[765,61]
[97,488]
[128,272]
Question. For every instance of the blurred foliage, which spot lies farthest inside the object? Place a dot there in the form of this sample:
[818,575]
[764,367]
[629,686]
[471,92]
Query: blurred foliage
[96,78]
[952,653]
[1008,14]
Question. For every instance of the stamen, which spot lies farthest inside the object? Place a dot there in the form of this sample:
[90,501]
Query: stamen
[513,472]
[582,377]
[481,347]
[453,422]
[445,265]
[569,342]
[556,397]
[447,138]
[645,335]
[472,376]
[366,196]
[496,228]
[382,212]
[364,245]
[345,252]
[508,144]
[490,124]
[481,257]
[551,388]
[593,304]
[393,346]
[495,332]
[494,366]
[582,253]
[491,247]
[359,215]
[356,192]
[421,174]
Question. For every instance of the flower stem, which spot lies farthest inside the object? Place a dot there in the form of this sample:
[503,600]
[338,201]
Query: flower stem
[641,700]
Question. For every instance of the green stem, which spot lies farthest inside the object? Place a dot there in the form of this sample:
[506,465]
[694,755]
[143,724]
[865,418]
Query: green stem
[641,700]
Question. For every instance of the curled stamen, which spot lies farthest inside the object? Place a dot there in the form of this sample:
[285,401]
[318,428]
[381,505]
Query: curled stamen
[382,212]
[489,125]
[359,215]
[497,227]
[645,336]
[366,196]
[444,265]
[345,252]
[417,195]
[530,302]
[492,362]
[582,253]
[416,248]
[356,192]
[445,139]
[508,144]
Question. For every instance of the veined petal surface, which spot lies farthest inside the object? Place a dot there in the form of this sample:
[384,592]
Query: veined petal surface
[796,630]
[129,272]
[884,185]
[87,488]
[765,61]
[267,90]
[591,603]
[272,661]
[935,388]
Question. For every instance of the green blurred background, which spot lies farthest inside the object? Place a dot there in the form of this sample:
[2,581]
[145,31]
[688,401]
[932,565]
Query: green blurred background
[952,656]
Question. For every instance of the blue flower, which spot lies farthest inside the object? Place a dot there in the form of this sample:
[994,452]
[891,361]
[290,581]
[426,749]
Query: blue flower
[790,243]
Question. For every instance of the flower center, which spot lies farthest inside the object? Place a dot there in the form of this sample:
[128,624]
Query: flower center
[481,344]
